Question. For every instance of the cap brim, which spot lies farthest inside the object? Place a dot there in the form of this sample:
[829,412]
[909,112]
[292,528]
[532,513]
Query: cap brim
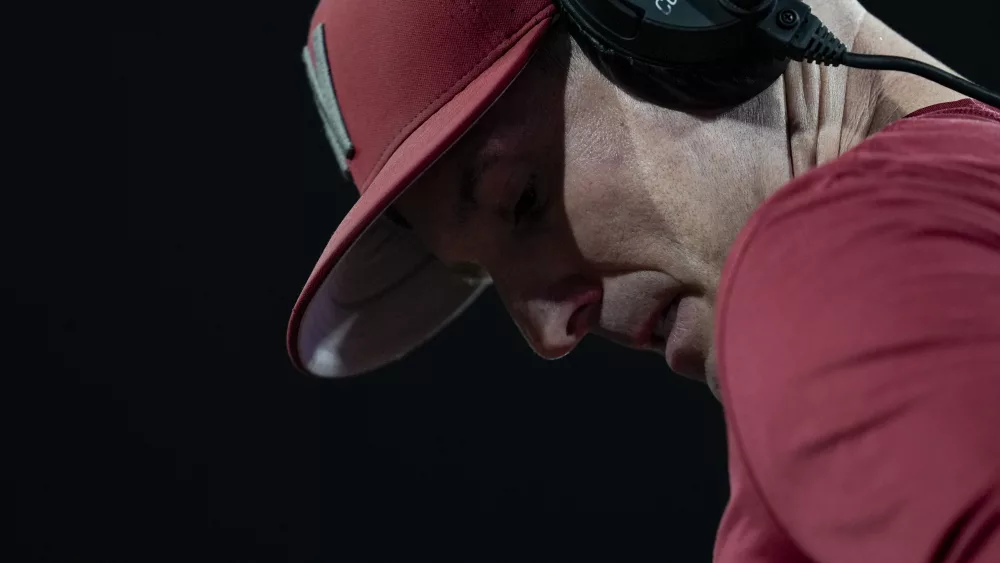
[375,294]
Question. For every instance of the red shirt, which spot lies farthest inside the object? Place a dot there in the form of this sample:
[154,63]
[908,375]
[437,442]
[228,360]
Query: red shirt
[858,338]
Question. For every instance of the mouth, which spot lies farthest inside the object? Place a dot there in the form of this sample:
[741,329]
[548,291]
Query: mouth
[672,332]
[654,335]
[662,323]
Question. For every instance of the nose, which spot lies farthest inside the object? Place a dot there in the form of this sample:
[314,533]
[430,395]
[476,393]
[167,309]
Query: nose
[554,326]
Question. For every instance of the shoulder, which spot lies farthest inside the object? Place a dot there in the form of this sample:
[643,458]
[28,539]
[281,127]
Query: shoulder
[858,320]
[845,256]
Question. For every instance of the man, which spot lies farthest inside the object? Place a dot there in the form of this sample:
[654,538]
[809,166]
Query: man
[826,256]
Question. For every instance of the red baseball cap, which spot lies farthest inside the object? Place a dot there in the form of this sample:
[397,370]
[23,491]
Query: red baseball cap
[397,85]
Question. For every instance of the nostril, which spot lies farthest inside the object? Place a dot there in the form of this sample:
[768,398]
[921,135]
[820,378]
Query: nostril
[581,320]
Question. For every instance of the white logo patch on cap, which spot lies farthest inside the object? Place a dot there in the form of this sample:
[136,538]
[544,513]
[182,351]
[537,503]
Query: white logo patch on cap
[321,80]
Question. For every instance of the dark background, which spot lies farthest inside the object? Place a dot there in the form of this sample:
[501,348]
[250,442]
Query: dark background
[157,418]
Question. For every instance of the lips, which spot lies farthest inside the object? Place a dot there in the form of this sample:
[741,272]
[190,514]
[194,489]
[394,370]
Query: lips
[681,350]
[657,328]
[672,330]
[666,322]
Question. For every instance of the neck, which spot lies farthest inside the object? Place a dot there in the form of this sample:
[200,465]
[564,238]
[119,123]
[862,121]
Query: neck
[832,110]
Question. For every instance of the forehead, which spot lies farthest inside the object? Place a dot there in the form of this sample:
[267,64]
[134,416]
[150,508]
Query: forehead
[496,140]
[531,108]
[506,130]
[526,121]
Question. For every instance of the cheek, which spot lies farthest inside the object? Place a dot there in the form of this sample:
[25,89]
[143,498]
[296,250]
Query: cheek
[599,140]
[707,193]
[603,211]
[607,211]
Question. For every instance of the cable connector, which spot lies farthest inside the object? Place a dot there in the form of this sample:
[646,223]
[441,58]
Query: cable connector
[791,31]
[794,32]
[821,46]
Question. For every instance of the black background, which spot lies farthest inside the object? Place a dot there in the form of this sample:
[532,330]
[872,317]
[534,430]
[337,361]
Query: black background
[156,416]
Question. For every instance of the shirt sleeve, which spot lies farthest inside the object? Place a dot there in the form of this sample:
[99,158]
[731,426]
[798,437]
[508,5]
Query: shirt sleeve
[858,338]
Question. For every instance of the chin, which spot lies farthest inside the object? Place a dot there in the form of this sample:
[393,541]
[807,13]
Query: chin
[713,386]
[712,374]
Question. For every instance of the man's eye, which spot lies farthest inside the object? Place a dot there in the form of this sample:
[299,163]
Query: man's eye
[527,202]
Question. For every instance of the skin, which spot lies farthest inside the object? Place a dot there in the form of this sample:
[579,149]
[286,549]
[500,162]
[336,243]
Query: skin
[598,209]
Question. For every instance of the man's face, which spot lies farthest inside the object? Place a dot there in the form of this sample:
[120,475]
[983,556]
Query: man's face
[592,213]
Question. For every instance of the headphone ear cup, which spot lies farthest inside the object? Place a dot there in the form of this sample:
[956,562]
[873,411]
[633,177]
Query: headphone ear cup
[682,87]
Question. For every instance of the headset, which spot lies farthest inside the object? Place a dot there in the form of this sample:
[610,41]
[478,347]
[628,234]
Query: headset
[713,54]
[708,55]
